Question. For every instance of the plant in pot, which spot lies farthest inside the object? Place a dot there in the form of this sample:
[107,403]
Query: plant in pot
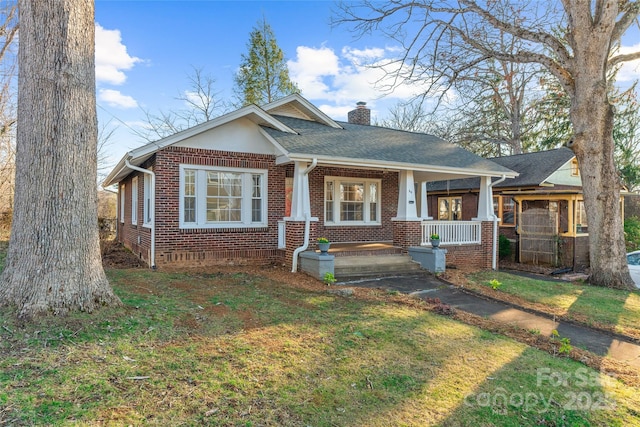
[323,245]
[435,240]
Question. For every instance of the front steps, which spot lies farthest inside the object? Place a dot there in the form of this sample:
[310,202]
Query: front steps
[351,267]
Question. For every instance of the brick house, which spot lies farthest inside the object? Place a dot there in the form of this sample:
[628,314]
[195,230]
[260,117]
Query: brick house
[261,184]
[541,211]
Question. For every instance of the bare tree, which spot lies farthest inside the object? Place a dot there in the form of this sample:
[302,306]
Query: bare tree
[456,36]
[8,42]
[202,103]
[53,264]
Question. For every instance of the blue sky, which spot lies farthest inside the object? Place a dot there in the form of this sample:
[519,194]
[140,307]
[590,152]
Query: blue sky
[146,49]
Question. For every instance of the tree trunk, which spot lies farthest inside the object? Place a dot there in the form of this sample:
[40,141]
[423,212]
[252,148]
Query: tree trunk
[53,264]
[593,144]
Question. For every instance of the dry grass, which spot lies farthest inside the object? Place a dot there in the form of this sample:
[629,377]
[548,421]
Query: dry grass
[266,347]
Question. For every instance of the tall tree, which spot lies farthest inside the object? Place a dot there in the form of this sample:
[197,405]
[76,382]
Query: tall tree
[263,76]
[53,264]
[445,38]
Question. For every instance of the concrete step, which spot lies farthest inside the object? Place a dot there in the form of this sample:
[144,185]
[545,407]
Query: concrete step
[347,267]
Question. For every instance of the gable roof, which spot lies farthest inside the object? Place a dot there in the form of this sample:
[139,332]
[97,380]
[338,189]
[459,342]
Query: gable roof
[299,131]
[534,169]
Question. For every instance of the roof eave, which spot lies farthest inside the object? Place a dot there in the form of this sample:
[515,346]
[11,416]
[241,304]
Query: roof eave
[378,164]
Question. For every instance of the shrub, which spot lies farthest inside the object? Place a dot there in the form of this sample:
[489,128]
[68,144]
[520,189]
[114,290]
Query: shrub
[504,247]
[632,233]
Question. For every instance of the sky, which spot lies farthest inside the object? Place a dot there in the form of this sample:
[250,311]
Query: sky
[145,51]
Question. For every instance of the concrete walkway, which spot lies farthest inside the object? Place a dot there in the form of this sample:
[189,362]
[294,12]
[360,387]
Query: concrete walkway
[424,285]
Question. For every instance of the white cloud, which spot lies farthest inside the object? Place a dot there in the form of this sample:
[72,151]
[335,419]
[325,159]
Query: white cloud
[353,75]
[630,71]
[115,98]
[112,58]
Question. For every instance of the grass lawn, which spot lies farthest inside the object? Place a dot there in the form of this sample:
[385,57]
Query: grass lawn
[611,309]
[231,348]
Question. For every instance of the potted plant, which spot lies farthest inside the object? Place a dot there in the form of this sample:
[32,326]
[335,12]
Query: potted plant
[435,240]
[323,245]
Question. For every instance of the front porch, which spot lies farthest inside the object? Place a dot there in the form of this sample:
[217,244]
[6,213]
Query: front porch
[463,241]
[366,212]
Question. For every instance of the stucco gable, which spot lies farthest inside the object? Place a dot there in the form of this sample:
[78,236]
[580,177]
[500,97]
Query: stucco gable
[241,135]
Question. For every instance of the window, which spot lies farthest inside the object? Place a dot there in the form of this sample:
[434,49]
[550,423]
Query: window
[147,218]
[449,208]
[122,199]
[505,208]
[575,170]
[134,200]
[222,197]
[581,217]
[352,201]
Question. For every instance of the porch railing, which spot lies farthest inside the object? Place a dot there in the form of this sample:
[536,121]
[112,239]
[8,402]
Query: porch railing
[452,232]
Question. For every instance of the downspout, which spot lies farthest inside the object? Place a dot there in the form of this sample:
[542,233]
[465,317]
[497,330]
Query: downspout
[307,222]
[494,252]
[152,207]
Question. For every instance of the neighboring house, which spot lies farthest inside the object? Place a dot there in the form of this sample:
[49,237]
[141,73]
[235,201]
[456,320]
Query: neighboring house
[259,184]
[542,210]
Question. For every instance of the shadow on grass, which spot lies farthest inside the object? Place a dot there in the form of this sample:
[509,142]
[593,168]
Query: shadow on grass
[546,391]
[228,349]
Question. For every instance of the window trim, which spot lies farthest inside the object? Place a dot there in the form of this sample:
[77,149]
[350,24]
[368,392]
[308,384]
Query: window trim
[201,197]
[449,198]
[121,188]
[337,181]
[500,211]
[575,168]
[147,209]
[134,200]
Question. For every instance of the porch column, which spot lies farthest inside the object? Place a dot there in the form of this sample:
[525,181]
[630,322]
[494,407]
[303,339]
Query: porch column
[406,198]
[424,206]
[485,201]
[407,229]
[300,203]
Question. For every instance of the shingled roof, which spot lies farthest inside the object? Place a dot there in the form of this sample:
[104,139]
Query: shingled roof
[378,144]
[534,169]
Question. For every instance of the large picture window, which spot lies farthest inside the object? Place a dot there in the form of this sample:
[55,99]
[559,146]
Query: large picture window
[222,197]
[351,201]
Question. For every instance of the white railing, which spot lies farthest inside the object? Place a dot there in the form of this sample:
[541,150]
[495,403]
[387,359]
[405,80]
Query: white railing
[452,232]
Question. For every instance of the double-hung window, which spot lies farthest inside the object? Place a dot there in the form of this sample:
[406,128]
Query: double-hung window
[218,197]
[147,208]
[122,201]
[134,200]
[351,201]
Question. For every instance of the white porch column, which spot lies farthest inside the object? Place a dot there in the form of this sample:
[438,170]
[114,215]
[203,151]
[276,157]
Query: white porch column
[424,206]
[485,201]
[406,198]
[300,203]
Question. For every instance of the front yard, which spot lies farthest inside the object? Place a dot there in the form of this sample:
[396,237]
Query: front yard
[609,309]
[245,348]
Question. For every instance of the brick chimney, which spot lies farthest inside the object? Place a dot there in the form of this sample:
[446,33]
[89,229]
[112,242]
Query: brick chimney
[361,115]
